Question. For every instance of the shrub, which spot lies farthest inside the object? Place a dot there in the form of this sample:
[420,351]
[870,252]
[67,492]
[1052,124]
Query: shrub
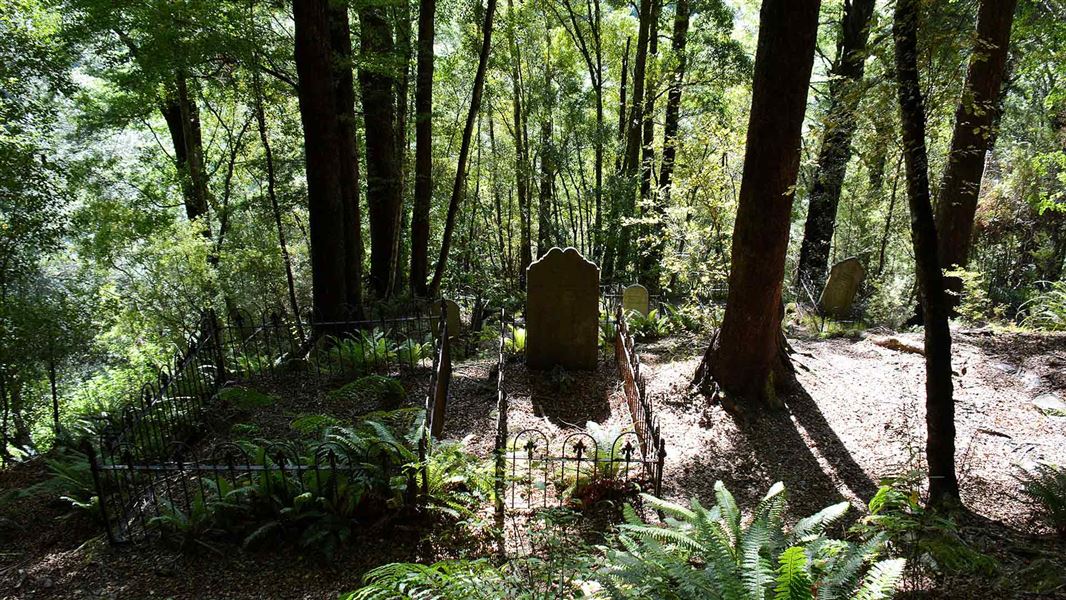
[1046,310]
[246,398]
[516,342]
[1045,487]
[312,425]
[651,327]
[372,389]
[710,553]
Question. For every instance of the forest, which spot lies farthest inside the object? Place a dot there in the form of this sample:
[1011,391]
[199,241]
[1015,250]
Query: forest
[674,299]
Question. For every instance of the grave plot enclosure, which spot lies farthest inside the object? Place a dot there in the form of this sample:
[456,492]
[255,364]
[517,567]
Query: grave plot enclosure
[538,468]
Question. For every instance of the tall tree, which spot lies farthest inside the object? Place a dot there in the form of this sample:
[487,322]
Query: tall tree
[522,171]
[423,147]
[377,79]
[545,232]
[939,404]
[746,358]
[975,121]
[315,67]
[347,154]
[845,91]
[459,188]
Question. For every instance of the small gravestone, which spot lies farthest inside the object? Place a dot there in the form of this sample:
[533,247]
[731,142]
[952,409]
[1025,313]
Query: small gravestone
[635,297]
[562,311]
[841,288]
[452,315]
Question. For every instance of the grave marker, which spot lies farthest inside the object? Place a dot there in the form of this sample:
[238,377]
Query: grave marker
[635,297]
[562,311]
[841,287]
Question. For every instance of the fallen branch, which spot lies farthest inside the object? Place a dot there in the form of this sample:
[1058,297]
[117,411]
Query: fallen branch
[898,345]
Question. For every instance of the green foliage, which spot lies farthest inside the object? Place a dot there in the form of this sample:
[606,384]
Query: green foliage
[243,398]
[373,389]
[70,480]
[608,331]
[367,349]
[651,327]
[515,343]
[717,553]
[928,539]
[1047,309]
[313,425]
[975,306]
[1045,487]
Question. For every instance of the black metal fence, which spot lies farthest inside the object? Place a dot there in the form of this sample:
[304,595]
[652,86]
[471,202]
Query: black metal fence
[238,485]
[144,472]
[535,469]
[271,345]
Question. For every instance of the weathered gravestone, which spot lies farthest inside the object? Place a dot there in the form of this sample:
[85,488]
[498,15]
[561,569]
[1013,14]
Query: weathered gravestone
[841,287]
[562,311]
[635,297]
[452,316]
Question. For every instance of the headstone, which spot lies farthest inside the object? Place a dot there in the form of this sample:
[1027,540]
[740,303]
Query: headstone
[562,314]
[841,287]
[635,297]
[452,310]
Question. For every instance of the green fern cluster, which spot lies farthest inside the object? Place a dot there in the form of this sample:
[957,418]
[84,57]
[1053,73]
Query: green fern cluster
[1045,487]
[710,553]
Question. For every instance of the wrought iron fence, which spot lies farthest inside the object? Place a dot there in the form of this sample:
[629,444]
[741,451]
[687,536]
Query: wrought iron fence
[141,465]
[535,470]
[271,345]
[239,485]
[167,409]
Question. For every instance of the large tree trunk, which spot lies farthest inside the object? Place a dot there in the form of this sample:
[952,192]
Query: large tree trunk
[747,358]
[347,155]
[975,122]
[183,122]
[835,151]
[382,169]
[423,148]
[939,404]
[403,90]
[459,188]
[314,66]
[647,151]
[657,239]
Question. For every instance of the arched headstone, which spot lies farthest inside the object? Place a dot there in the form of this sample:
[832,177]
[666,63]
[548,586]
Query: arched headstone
[635,297]
[841,287]
[562,311]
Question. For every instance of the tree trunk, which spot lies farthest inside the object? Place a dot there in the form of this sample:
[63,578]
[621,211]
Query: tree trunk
[522,176]
[403,40]
[975,121]
[183,122]
[939,404]
[747,358]
[464,150]
[382,170]
[268,156]
[545,233]
[314,66]
[657,239]
[348,155]
[835,151]
[423,148]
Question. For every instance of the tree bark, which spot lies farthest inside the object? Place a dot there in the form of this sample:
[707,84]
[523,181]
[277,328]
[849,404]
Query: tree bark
[939,404]
[348,155]
[382,170]
[314,66]
[975,121]
[545,230]
[423,148]
[464,149]
[522,175]
[747,358]
[835,150]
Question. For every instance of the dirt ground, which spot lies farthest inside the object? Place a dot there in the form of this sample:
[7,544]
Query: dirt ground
[858,418]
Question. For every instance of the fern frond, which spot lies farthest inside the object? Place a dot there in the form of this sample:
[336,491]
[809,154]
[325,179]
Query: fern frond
[880,581]
[793,578]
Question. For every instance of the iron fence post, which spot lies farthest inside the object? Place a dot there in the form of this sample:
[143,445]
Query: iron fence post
[94,469]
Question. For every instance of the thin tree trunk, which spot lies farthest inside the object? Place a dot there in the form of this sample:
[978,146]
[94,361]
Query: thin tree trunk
[939,404]
[268,155]
[657,239]
[382,171]
[522,176]
[314,66]
[611,237]
[747,358]
[423,148]
[975,121]
[403,40]
[464,149]
[647,147]
[835,150]
[545,232]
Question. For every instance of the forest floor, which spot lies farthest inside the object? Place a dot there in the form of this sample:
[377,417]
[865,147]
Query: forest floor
[857,419]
